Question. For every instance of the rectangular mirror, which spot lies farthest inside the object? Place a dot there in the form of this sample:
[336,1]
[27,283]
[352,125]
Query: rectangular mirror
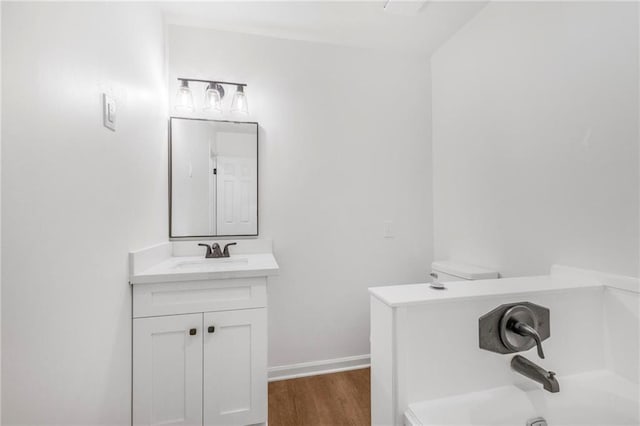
[213,178]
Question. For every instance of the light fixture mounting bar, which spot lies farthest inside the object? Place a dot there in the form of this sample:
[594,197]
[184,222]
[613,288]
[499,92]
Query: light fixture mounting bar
[213,82]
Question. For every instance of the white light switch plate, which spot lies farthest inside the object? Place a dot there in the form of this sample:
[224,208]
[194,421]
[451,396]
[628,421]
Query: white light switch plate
[108,112]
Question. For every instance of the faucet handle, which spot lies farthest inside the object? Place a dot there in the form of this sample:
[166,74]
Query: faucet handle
[225,253]
[519,329]
[514,327]
[208,249]
[526,330]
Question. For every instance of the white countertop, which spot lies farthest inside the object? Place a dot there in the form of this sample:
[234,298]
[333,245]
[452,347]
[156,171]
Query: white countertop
[188,268]
[414,294]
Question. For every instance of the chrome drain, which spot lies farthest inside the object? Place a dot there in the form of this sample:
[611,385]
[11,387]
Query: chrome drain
[537,421]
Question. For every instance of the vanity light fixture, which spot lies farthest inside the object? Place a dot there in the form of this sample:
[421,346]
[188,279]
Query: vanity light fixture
[214,93]
[239,104]
[184,97]
[213,97]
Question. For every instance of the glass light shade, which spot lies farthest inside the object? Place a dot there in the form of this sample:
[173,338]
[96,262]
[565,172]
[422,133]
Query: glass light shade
[184,97]
[239,103]
[212,99]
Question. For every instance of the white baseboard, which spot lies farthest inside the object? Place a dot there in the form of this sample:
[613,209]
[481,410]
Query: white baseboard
[314,368]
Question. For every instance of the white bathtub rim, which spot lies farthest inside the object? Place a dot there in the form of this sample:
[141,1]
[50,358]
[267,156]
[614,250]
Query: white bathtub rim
[561,279]
[586,276]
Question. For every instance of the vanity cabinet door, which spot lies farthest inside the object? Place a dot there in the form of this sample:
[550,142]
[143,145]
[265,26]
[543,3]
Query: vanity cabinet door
[235,367]
[167,370]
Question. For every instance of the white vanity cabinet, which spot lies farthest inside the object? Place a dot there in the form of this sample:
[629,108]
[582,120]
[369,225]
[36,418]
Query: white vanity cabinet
[167,370]
[235,367]
[200,352]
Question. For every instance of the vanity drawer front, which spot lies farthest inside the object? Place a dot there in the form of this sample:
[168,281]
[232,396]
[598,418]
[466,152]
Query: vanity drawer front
[198,296]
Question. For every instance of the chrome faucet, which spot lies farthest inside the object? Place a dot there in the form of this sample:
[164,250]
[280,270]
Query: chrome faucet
[528,369]
[214,252]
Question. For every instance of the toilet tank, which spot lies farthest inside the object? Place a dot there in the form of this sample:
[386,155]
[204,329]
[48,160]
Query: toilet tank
[446,270]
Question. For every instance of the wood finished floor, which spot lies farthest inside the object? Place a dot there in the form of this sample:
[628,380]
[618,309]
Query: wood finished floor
[327,400]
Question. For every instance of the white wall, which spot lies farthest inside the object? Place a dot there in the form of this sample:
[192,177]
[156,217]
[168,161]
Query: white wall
[76,198]
[344,147]
[0,221]
[535,135]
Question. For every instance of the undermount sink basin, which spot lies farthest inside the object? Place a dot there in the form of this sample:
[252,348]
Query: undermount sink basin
[212,263]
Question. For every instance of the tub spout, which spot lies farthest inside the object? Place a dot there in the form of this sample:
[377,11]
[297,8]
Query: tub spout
[528,369]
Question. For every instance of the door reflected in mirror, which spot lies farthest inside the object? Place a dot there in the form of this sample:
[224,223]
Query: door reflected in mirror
[213,171]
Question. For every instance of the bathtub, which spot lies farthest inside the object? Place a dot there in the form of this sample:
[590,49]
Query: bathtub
[594,398]
[427,366]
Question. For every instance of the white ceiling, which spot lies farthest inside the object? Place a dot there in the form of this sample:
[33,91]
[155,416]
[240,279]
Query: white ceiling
[353,23]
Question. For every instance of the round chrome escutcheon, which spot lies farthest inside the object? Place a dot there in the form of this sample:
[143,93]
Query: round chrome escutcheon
[512,340]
